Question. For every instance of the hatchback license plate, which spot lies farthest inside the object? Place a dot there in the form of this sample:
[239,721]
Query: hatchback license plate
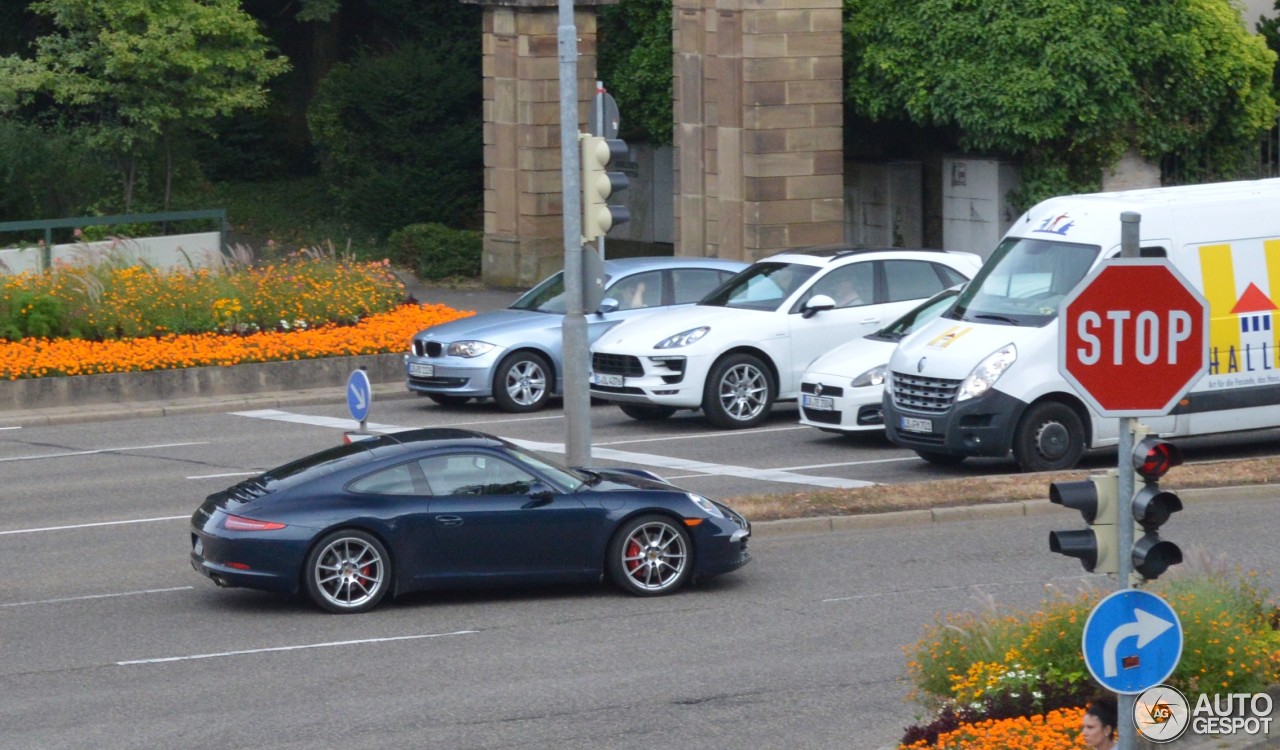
[421,371]
[611,381]
[912,424]
[819,403]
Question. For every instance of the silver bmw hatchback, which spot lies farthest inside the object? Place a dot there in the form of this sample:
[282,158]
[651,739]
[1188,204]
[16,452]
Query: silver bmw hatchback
[515,355]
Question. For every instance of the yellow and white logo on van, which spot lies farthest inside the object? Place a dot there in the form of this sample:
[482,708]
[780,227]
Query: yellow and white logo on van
[1241,283]
[948,337]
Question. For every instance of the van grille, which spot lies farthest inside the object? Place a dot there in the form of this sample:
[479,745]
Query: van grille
[932,395]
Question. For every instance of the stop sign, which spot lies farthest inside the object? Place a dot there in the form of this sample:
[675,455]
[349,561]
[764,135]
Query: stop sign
[1134,337]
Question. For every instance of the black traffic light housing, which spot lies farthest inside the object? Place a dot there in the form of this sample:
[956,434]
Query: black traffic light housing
[1152,507]
[1097,500]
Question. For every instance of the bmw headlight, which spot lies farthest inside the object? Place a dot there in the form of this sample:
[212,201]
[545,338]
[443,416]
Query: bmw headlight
[683,338]
[705,504]
[874,376]
[988,371]
[468,348]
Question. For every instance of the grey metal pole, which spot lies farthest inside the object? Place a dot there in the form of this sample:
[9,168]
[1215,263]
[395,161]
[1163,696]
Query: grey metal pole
[1126,732]
[577,399]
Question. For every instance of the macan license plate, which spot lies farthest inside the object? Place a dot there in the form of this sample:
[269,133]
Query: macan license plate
[911,424]
[421,371]
[611,381]
[819,403]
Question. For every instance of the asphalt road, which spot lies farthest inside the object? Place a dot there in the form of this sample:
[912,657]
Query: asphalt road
[109,640]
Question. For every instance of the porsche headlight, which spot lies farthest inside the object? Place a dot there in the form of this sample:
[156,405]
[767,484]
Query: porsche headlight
[705,504]
[988,371]
[468,348]
[683,338]
[874,376]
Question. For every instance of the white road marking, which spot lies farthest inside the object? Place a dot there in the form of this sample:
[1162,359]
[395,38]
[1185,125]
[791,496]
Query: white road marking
[19,427]
[98,596]
[704,435]
[643,459]
[228,474]
[960,587]
[103,450]
[93,525]
[332,644]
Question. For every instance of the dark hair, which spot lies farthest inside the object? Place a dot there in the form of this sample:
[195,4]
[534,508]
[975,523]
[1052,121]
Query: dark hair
[1104,707]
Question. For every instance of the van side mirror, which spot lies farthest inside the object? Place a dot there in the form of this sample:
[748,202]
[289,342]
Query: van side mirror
[818,303]
[608,305]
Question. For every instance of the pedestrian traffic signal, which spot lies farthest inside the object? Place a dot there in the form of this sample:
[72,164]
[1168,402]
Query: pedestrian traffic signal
[598,217]
[1096,498]
[1152,506]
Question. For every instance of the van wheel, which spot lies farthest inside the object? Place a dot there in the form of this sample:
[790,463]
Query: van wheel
[1050,437]
[739,392]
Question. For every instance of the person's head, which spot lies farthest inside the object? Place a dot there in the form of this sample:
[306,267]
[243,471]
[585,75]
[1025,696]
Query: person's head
[1099,725]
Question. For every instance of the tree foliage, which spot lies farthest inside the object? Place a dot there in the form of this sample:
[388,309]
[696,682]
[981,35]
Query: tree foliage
[1065,86]
[635,65]
[136,72]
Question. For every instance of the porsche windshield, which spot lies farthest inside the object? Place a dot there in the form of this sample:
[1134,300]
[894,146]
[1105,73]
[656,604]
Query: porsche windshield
[763,286]
[1023,282]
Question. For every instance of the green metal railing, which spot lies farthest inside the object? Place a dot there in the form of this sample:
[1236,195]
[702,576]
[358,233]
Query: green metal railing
[47,226]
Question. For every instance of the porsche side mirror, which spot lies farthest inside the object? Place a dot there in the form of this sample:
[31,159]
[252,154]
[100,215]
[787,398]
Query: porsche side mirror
[817,303]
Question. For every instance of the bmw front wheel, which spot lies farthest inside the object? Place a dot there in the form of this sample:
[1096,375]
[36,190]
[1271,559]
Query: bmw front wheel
[522,382]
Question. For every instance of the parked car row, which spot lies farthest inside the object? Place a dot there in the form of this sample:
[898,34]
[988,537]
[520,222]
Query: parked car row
[705,334]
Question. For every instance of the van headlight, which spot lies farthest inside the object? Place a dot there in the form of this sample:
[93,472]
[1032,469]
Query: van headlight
[684,338]
[874,376]
[988,371]
[469,349]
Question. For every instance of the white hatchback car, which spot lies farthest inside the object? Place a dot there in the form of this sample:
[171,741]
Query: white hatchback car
[745,345]
[843,390]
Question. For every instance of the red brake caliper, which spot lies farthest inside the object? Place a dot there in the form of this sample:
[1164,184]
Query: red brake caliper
[633,555]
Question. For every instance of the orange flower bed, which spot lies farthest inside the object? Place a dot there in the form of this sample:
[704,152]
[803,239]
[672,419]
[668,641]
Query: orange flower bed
[375,334]
[1057,730]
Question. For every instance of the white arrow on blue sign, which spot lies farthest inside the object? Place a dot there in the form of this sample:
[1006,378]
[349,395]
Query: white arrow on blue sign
[1132,641]
[359,395]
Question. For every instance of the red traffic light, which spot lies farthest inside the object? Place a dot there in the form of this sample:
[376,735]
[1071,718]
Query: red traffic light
[1153,457]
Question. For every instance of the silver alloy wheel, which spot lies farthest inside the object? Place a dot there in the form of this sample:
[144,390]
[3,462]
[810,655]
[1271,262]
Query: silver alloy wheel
[526,382]
[349,572]
[743,392]
[654,556]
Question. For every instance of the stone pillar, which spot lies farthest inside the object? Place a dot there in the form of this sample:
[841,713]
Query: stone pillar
[523,201]
[1132,172]
[758,126]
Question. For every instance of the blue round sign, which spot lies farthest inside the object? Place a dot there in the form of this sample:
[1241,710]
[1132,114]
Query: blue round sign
[359,395]
[1132,641]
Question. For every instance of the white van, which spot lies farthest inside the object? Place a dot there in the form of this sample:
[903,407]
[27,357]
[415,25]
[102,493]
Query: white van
[983,380]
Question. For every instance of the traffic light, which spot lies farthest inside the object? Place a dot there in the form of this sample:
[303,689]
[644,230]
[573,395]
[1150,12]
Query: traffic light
[1152,506]
[598,217]
[1097,499]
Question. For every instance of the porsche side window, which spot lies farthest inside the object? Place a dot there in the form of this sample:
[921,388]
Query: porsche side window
[475,474]
[398,480]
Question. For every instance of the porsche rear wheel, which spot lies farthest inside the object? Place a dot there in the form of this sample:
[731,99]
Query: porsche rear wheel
[650,556]
[347,572]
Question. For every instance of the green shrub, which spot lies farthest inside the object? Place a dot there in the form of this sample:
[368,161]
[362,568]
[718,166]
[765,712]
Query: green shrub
[435,251]
[399,135]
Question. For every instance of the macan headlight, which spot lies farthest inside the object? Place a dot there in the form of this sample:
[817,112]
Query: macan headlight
[684,338]
[468,349]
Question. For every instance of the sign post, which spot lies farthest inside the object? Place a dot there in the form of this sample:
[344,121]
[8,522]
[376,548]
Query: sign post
[1133,340]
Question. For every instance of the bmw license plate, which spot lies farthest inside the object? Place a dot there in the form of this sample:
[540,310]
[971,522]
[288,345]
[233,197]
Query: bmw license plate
[819,403]
[611,381]
[911,424]
[418,370]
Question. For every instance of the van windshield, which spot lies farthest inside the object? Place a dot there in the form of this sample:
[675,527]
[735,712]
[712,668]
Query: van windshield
[1023,282]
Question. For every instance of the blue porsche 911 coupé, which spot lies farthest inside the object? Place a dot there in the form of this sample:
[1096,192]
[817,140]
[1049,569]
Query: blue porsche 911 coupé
[438,508]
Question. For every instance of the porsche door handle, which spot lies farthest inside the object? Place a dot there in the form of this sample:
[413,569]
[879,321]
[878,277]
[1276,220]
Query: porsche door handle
[449,520]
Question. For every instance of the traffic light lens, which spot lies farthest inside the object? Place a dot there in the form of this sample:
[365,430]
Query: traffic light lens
[1152,458]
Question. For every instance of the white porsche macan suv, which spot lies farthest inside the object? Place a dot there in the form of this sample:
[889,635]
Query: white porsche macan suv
[746,345]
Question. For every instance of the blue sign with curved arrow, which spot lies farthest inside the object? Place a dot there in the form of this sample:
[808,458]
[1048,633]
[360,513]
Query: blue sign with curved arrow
[359,395]
[1132,641]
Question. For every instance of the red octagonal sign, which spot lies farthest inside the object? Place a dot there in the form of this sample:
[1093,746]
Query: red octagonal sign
[1134,337]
